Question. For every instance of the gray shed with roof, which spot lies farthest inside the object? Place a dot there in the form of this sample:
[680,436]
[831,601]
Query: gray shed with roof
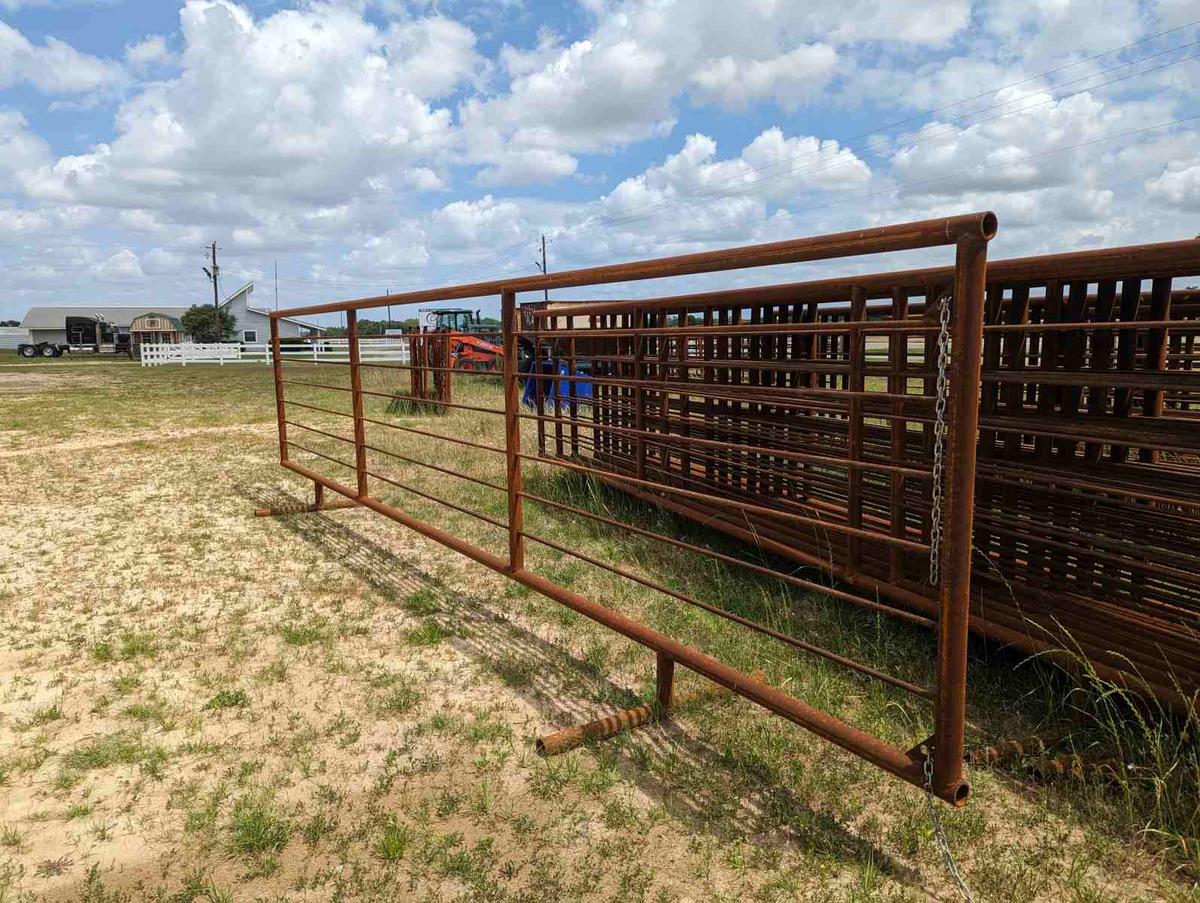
[75,324]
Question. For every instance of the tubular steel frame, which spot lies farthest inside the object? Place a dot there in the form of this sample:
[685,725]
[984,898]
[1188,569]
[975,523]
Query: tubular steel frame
[1088,478]
[969,234]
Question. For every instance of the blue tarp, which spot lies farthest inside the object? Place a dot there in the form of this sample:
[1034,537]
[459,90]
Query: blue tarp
[553,387]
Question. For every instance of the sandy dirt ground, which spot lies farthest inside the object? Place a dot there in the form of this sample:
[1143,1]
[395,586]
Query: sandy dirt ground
[197,704]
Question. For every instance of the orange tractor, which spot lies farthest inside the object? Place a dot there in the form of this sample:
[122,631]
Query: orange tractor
[471,345]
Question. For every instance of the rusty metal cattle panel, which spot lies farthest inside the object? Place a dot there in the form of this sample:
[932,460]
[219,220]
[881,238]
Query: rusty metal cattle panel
[688,412]
[1088,489]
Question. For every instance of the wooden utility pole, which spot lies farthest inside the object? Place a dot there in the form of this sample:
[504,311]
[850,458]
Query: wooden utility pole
[542,267]
[216,294]
[545,291]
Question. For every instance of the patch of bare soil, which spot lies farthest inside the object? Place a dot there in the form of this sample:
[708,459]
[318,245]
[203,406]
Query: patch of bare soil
[30,383]
[198,701]
[197,704]
[118,439]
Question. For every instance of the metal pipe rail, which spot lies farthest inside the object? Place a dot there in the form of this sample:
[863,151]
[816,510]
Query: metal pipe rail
[1088,476]
[718,427]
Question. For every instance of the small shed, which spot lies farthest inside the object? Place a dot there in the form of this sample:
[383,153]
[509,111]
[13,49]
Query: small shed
[154,329]
[12,336]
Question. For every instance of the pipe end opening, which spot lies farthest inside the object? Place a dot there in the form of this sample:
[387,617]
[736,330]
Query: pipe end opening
[988,226]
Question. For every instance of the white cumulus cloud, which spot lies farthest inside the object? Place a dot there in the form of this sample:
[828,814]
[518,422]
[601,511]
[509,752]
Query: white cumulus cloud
[54,67]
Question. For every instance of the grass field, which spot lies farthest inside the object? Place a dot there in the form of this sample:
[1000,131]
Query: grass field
[200,705]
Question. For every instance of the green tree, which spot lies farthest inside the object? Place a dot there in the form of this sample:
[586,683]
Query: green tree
[199,322]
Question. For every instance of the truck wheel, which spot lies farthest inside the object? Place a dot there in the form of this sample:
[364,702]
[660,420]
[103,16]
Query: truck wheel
[28,351]
[467,365]
[49,351]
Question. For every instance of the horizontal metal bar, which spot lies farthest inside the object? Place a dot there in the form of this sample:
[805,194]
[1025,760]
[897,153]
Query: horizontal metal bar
[792,396]
[313,429]
[440,501]
[749,565]
[817,523]
[297,382]
[445,470]
[313,407]
[1092,325]
[433,401]
[696,330]
[303,360]
[454,439]
[737,619]
[883,755]
[1171,258]
[312,451]
[878,240]
[1166,433]
[680,443]
[1168,380]
[457,371]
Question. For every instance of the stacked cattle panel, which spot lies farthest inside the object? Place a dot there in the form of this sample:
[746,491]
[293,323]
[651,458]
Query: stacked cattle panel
[1088,480]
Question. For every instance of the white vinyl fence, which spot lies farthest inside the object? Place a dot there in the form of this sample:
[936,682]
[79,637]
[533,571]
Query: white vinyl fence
[369,349]
[190,353]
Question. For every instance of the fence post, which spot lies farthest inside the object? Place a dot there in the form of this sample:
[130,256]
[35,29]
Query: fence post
[512,431]
[954,585]
[280,406]
[360,433]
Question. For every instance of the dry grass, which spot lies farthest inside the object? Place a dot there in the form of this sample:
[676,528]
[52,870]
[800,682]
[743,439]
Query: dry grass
[201,705]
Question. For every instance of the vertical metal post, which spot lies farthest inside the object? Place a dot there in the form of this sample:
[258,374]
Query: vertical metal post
[898,385]
[1131,300]
[510,323]
[1156,356]
[280,408]
[664,682]
[639,394]
[854,451]
[360,431]
[955,585]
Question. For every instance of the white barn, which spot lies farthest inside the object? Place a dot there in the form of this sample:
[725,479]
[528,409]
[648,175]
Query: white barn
[254,323]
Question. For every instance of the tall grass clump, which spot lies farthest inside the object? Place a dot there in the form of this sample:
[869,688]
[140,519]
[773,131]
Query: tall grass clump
[1155,792]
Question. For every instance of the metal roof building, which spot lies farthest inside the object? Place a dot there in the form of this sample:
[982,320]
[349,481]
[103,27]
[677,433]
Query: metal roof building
[121,317]
[76,324]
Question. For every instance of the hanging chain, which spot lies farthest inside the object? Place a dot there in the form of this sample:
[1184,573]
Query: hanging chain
[939,440]
[939,833]
[935,548]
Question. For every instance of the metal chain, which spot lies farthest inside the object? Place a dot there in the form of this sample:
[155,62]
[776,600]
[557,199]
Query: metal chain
[939,441]
[935,548]
[939,833]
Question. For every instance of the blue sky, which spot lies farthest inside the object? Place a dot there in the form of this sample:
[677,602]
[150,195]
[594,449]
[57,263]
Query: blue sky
[366,145]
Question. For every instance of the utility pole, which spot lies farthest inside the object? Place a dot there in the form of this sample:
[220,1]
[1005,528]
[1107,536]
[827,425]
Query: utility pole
[212,275]
[542,266]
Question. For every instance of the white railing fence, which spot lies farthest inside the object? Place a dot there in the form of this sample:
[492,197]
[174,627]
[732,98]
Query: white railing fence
[369,349]
[184,353]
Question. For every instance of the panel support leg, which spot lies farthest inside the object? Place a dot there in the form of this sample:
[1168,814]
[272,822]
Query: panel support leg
[611,725]
[318,504]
